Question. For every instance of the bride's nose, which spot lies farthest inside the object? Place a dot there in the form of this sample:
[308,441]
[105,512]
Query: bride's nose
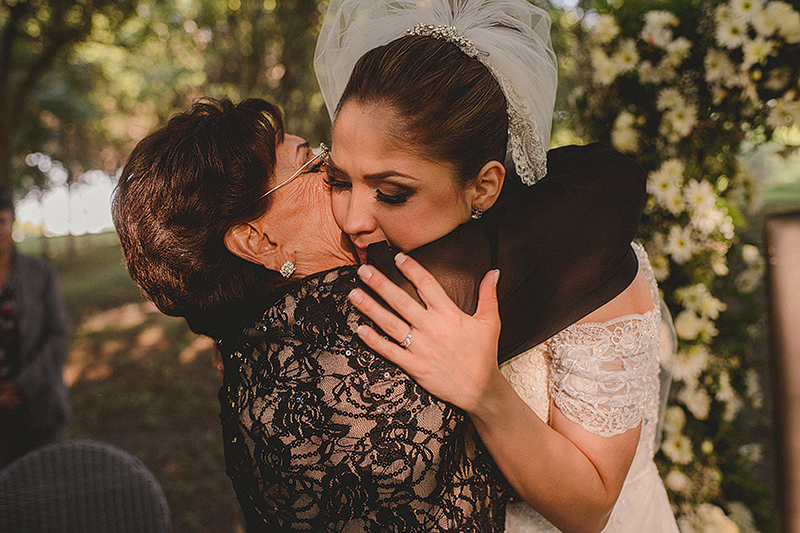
[359,219]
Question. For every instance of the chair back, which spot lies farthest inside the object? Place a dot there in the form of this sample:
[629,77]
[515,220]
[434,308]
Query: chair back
[81,487]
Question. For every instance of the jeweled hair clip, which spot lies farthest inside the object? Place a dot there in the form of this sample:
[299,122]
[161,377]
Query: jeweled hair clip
[447,33]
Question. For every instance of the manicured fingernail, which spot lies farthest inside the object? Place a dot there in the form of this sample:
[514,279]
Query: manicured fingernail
[400,258]
[496,276]
[364,272]
[355,296]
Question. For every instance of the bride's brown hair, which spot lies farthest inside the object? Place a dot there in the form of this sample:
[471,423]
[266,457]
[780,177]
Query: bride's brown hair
[445,105]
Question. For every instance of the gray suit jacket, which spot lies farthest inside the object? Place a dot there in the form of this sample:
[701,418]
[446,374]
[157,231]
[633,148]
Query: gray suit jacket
[44,342]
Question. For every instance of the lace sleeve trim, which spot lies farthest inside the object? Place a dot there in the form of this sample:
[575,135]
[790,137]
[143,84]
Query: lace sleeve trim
[602,373]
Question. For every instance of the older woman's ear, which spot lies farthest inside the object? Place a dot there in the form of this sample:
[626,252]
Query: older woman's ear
[252,244]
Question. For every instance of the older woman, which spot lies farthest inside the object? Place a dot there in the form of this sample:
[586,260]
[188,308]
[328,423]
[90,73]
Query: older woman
[321,434]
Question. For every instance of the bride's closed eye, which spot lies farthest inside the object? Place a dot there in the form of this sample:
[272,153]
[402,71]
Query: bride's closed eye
[393,195]
[399,197]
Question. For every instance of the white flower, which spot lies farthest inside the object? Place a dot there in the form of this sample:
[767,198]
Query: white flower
[696,400]
[740,514]
[732,408]
[707,330]
[727,229]
[689,364]
[785,113]
[674,420]
[698,298]
[752,255]
[679,244]
[748,280]
[626,57]
[664,185]
[700,195]
[731,32]
[659,19]
[605,30]
[677,481]
[778,79]
[711,307]
[669,98]
[656,31]
[688,324]
[753,388]
[751,452]
[660,264]
[722,13]
[604,71]
[677,51]
[648,73]
[674,169]
[719,264]
[624,136]
[718,66]
[764,23]
[679,122]
[673,201]
[692,296]
[713,520]
[789,27]
[778,10]
[725,390]
[708,218]
[678,448]
[745,10]
[756,51]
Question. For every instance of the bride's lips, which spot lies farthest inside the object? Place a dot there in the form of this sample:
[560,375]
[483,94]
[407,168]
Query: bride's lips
[362,254]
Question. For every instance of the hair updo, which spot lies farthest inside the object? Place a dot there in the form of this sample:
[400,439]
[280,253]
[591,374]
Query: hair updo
[448,106]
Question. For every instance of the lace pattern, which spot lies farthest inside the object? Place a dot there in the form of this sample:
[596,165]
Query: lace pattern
[527,149]
[601,373]
[604,375]
[323,435]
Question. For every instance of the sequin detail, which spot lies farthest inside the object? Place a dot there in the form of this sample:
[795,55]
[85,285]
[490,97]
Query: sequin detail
[321,434]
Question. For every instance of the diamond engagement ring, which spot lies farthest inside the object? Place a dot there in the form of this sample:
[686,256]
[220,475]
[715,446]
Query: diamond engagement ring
[407,341]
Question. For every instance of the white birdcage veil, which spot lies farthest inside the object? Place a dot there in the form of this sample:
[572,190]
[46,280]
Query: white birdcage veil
[511,36]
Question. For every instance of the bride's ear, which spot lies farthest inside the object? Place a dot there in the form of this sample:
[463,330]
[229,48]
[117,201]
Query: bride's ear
[252,244]
[489,184]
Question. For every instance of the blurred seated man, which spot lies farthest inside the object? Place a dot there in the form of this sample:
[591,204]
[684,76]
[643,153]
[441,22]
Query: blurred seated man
[34,340]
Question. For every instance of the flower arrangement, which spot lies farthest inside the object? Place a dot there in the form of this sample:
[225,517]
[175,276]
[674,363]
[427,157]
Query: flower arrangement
[685,85]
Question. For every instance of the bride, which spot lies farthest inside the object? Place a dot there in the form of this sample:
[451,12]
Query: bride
[570,422]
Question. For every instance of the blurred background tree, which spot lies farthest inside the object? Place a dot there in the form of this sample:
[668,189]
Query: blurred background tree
[83,81]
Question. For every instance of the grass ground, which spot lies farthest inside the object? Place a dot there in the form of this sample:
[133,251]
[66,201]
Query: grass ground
[144,382]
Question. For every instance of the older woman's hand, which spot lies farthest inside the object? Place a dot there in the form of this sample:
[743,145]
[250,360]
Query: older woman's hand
[451,354]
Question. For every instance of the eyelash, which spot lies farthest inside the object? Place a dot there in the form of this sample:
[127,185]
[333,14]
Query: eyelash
[316,167]
[390,199]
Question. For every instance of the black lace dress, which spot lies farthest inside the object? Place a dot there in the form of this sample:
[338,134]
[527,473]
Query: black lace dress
[321,434]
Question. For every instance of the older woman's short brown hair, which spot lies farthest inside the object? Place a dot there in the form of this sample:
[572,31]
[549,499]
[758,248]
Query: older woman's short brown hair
[182,188]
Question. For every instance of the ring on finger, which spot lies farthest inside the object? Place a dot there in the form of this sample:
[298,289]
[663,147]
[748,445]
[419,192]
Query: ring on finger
[407,341]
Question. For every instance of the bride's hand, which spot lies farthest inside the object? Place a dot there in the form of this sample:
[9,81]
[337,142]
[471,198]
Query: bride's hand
[449,353]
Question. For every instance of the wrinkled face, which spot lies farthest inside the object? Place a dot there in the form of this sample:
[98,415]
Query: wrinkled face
[382,191]
[300,214]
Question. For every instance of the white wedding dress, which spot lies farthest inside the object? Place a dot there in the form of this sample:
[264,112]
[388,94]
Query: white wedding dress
[604,377]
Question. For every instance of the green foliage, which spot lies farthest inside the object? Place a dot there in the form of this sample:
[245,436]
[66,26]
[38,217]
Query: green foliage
[135,62]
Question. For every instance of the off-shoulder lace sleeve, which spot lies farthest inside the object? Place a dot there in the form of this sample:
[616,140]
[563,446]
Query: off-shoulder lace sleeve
[603,375]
